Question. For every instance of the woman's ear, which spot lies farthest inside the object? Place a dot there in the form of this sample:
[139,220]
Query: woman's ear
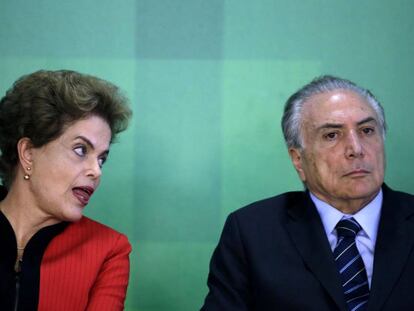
[25,151]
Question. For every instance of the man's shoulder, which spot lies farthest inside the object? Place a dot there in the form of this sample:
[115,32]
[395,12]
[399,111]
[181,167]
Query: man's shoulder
[391,195]
[273,206]
[402,194]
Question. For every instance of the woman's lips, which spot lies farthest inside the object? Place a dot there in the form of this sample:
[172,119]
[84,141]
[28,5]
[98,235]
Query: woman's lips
[83,194]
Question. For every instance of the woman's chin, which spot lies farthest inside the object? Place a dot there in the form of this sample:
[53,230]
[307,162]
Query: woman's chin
[73,215]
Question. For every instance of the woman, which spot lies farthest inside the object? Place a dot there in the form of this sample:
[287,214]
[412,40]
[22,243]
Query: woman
[56,128]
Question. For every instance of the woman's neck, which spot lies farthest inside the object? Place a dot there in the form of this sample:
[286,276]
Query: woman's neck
[23,216]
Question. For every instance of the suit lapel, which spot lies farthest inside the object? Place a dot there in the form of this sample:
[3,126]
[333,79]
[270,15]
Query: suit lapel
[306,230]
[394,244]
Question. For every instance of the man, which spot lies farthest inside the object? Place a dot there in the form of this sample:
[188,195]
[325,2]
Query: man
[346,243]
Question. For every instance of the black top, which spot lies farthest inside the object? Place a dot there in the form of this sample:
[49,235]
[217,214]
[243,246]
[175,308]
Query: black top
[22,288]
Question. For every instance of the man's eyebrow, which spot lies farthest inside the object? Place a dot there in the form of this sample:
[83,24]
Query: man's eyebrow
[366,120]
[340,125]
[329,126]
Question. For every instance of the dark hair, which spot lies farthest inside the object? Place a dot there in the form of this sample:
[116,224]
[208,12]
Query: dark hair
[43,104]
[292,116]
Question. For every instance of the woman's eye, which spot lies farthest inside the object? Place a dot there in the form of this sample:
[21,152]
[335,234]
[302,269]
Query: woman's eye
[80,151]
[101,161]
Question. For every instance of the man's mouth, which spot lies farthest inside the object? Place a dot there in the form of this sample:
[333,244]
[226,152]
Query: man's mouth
[357,173]
[83,194]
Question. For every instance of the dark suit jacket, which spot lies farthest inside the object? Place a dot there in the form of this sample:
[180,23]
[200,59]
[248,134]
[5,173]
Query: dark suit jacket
[274,255]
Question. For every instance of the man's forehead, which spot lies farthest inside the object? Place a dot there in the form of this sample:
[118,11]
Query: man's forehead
[338,106]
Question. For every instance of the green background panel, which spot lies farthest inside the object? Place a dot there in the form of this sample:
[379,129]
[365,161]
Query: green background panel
[207,81]
[175,156]
[184,29]
[255,162]
[167,275]
[49,28]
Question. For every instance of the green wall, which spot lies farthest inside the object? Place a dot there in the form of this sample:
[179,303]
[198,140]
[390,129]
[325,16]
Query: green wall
[207,81]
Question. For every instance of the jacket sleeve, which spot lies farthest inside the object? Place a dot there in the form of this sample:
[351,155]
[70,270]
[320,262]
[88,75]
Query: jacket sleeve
[228,280]
[110,286]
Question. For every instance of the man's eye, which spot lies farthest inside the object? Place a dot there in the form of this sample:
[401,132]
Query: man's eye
[368,130]
[80,151]
[330,136]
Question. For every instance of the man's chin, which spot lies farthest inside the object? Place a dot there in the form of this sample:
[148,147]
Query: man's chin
[363,193]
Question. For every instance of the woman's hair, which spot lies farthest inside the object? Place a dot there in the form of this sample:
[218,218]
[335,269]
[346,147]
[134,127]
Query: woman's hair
[41,105]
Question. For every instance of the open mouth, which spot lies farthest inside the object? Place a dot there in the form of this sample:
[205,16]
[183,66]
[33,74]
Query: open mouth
[83,194]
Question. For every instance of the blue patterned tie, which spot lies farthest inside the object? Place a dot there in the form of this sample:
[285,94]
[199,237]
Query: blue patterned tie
[350,265]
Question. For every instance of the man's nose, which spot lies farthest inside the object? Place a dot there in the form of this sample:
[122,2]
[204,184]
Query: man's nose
[354,147]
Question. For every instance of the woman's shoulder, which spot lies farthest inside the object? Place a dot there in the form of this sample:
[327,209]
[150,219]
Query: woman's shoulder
[92,231]
[86,223]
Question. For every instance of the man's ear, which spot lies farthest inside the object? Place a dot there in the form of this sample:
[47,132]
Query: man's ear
[25,151]
[297,160]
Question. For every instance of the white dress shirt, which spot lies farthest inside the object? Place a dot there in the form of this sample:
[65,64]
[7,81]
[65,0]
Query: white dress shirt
[368,218]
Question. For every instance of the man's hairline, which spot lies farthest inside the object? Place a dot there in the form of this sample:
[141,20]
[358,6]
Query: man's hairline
[301,147]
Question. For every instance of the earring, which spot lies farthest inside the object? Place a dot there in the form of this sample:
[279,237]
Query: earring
[27,176]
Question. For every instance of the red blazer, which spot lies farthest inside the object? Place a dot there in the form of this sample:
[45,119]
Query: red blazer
[86,267]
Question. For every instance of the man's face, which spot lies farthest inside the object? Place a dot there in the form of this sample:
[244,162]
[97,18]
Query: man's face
[342,161]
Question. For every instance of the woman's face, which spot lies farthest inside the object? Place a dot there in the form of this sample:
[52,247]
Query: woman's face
[66,171]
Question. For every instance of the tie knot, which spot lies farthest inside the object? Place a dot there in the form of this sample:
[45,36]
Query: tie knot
[347,227]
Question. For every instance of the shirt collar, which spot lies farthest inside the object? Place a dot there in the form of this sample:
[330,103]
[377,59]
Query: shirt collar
[368,217]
